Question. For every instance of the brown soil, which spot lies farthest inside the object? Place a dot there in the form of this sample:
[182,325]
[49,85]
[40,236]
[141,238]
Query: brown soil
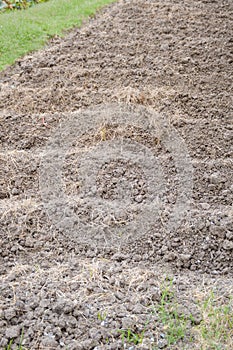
[135,59]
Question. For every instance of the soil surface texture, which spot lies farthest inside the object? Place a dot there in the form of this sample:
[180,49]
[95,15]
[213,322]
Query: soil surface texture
[116,163]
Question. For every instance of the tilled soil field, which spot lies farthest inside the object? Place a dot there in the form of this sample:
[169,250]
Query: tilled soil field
[116,181]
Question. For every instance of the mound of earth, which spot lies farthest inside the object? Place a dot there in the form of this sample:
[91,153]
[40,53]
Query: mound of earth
[104,135]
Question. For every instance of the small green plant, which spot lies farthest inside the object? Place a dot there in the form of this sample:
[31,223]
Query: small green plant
[8,347]
[174,323]
[130,337]
[215,332]
[107,341]
[101,316]
[20,346]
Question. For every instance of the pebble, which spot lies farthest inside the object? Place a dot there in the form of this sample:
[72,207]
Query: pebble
[9,314]
[162,343]
[216,178]
[218,231]
[205,206]
[15,191]
[229,235]
[171,256]
[127,322]
[13,332]
[95,334]
[227,245]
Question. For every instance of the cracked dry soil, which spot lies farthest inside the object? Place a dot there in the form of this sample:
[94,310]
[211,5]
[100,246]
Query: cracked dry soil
[176,59]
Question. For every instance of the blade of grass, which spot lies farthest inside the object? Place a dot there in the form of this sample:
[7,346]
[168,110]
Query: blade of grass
[28,30]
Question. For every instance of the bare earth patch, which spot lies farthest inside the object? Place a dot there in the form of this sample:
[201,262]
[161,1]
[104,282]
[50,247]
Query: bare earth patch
[104,135]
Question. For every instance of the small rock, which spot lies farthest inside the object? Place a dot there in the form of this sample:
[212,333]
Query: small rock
[228,135]
[87,344]
[211,187]
[185,260]
[164,47]
[4,342]
[29,242]
[71,321]
[227,245]
[137,257]
[229,235]
[9,314]
[205,206]
[75,345]
[185,59]
[119,295]
[13,332]
[139,198]
[95,334]
[156,295]
[185,257]
[63,306]
[138,309]
[49,342]
[119,257]
[15,191]
[164,249]
[104,323]
[196,318]
[146,343]
[162,343]
[218,231]
[170,257]
[216,178]
[127,322]
[44,304]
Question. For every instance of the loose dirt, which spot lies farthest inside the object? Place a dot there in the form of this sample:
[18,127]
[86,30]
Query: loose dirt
[136,58]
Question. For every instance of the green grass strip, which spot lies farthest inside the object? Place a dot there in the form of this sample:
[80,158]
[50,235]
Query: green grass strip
[28,30]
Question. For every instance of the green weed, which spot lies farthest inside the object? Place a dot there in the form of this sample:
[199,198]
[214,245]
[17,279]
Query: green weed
[130,337]
[215,331]
[20,346]
[101,316]
[174,323]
